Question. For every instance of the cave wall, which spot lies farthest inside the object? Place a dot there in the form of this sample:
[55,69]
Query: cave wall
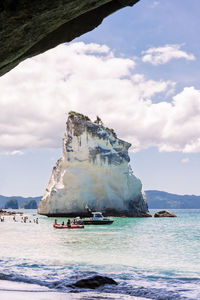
[28,28]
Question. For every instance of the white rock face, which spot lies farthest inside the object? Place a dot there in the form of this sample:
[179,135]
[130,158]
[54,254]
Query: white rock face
[94,171]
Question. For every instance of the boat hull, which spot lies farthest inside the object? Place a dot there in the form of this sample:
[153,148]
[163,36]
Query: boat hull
[102,222]
[57,226]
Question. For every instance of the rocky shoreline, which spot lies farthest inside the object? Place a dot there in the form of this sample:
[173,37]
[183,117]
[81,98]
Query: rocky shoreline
[9,213]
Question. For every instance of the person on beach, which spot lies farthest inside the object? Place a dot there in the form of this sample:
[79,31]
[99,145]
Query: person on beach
[55,222]
[63,223]
[36,221]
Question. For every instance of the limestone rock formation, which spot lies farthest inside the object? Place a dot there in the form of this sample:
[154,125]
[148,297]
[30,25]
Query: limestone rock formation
[94,171]
[163,214]
[12,203]
[31,204]
[28,28]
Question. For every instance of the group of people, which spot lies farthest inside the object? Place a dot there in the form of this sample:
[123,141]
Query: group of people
[24,219]
[76,221]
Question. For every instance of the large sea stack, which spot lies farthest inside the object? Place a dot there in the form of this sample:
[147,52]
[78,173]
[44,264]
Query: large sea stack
[94,172]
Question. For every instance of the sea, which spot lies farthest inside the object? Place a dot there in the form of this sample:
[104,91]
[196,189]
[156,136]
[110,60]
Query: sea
[149,258]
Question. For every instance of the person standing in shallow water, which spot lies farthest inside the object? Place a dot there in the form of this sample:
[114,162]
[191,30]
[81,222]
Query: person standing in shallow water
[68,223]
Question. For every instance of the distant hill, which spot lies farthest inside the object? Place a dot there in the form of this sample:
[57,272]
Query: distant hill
[21,200]
[159,199]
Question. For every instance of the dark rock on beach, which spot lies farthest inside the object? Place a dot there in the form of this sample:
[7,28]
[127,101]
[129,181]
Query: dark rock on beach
[29,27]
[164,213]
[94,282]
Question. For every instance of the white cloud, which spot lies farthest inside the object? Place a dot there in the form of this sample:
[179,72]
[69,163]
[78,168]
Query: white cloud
[162,55]
[155,4]
[185,160]
[90,79]
[14,152]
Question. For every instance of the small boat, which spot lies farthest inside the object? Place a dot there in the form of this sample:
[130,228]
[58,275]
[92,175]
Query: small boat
[97,219]
[72,226]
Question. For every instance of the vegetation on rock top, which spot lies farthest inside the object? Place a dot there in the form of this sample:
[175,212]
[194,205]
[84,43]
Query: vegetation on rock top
[98,121]
[73,114]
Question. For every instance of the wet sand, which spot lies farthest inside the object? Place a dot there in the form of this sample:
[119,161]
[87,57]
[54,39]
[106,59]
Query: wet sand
[22,291]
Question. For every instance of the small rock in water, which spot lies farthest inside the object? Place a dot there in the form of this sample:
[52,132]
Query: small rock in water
[94,282]
[164,213]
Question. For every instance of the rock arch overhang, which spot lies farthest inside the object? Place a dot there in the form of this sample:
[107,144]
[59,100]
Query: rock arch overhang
[28,28]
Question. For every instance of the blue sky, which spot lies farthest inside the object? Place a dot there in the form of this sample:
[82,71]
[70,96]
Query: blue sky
[152,24]
[168,152]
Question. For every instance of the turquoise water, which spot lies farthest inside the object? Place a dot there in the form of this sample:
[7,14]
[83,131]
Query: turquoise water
[154,258]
